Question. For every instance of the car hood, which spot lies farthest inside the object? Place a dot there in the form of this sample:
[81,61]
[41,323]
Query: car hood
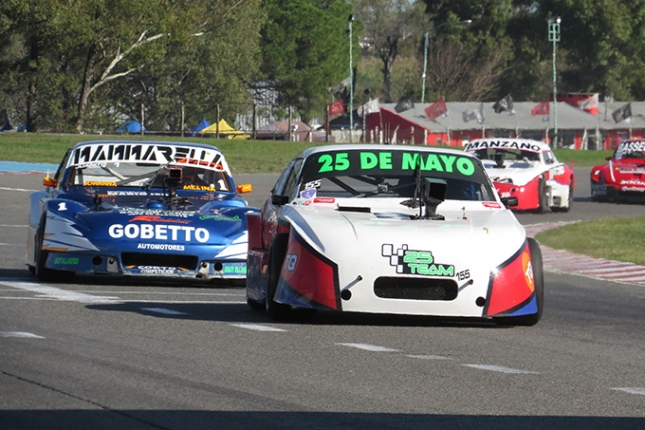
[518,173]
[469,231]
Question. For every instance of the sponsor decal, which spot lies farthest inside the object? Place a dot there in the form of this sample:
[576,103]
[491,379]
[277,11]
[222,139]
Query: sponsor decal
[157,270]
[199,187]
[234,269]
[290,262]
[100,154]
[308,193]
[66,261]
[632,171]
[130,193]
[340,161]
[414,262]
[99,184]
[175,233]
[493,205]
[160,212]
[157,218]
[527,269]
[220,218]
[324,200]
[632,182]
[508,144]
[161,247]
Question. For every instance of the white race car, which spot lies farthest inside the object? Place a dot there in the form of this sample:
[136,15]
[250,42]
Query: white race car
[391,230]
[526,169]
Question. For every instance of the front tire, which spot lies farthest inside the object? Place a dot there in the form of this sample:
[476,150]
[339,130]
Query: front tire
[40,270]
[277,311]
[543,198]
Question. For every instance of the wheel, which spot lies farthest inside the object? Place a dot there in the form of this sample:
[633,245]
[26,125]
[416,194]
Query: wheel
[278,251]
[42,272]
[544,203]
[254,305]
[538,279]
[596,197]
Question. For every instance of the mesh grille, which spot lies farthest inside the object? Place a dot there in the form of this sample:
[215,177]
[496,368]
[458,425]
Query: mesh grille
[416,288]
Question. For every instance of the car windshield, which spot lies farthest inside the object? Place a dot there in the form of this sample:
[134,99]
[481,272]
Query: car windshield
[630,150]
[392,173]
[507,154]
[146,175]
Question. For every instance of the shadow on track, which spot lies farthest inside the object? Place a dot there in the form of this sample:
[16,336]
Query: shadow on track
[251,420]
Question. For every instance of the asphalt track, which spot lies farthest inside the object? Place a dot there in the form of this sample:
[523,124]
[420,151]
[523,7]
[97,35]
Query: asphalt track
[98,354]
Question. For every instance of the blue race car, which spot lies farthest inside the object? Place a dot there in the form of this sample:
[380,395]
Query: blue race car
[137,208]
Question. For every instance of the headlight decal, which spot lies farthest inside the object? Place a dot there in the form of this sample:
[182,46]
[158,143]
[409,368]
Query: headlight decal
[512,285]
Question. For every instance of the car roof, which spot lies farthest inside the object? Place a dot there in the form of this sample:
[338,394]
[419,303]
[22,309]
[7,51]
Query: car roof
[147,142]
[509,143]
[378,147]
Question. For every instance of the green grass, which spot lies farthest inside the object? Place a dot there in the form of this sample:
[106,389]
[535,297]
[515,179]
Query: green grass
[243,156]
[582,158]
[621,239]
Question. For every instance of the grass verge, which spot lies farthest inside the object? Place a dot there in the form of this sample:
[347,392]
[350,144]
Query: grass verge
[243,156]
[615,238]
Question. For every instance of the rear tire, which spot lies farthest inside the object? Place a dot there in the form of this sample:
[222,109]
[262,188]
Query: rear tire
[277,311]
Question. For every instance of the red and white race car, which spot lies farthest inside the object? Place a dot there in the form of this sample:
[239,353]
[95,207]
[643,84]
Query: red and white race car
[624,174]
[526,169]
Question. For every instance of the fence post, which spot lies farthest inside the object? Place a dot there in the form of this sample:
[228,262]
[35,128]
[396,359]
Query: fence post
[217,126]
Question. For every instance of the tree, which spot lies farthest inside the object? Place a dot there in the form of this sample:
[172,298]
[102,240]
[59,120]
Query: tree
[387,23]
[213,69]
[305,50]
[604,45]
[28,33]
[485,45]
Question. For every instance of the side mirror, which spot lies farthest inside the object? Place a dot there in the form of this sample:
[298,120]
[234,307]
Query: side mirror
[244,188]
[278,200]
[510,202]
[50,182]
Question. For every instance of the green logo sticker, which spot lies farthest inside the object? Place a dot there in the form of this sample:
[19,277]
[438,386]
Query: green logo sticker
[65,261]
[413,262]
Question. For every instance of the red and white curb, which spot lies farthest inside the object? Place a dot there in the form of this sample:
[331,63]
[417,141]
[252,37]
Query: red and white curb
[556,260]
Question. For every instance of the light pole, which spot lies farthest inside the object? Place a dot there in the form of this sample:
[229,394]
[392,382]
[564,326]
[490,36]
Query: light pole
[425,51]
[351,80]
[554,36]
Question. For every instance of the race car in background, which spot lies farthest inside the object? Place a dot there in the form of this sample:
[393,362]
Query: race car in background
[163,209]
[526,169]
[387,229]
[623,176]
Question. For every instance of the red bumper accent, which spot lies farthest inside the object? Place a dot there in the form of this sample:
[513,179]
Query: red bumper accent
[512,284]
[310,274]
[527,195]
